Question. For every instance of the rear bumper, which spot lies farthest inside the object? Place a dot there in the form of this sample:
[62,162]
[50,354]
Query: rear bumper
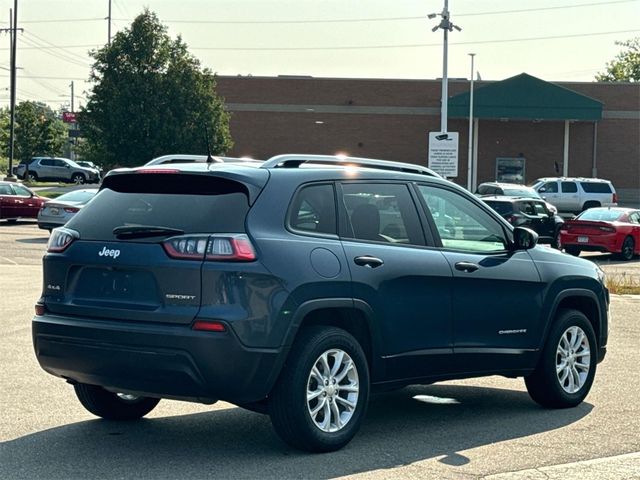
[166,361]
[597,243]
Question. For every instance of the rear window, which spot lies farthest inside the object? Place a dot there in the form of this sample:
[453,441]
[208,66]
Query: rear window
[602,214]
[503,208]
[193,204]
[521,192]
[595,187]
[77,196]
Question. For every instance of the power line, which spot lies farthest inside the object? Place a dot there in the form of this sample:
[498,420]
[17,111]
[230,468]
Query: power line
[65,20]
[47,42]
[382,19]
[361,47]
[51,50]
[414,45]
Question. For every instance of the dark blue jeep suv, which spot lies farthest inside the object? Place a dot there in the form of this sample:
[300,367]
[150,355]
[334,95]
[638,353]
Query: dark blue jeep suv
[296,286]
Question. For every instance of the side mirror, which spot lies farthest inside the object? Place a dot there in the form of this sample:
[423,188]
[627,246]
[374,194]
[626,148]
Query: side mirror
[524,238]
[542,190]
[67,165]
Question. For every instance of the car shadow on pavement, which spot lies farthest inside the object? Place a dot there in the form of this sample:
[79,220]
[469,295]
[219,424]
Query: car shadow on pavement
[33,240]
[233,443]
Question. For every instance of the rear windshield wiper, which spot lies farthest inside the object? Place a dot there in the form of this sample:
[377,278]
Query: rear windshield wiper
[142,231]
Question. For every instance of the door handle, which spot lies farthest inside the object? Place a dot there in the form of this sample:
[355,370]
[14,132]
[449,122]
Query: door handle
[466,267]
[367,261]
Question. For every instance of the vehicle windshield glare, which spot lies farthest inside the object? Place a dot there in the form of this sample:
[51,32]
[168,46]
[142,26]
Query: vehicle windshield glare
[602,214]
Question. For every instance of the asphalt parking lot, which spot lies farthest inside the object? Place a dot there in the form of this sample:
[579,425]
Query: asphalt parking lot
[465,429]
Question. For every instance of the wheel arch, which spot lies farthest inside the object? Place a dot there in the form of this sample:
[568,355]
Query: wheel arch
[354,316]
[585,301]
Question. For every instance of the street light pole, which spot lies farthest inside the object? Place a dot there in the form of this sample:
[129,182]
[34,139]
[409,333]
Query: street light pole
[470,158]
[109,28]
[447,27]
[14,42]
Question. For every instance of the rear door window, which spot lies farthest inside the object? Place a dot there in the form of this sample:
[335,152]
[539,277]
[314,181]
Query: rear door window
[569,187]
[191,203]
[379,212]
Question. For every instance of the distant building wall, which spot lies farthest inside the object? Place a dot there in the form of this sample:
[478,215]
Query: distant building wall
[391,119]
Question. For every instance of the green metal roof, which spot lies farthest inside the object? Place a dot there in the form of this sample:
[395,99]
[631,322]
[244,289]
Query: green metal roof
[526,97]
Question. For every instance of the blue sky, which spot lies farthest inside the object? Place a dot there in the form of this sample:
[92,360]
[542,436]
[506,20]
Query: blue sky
[562,40]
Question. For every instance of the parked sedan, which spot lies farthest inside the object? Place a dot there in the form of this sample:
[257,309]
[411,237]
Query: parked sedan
[615,230]
[533,213]
[56,213]
[17,201]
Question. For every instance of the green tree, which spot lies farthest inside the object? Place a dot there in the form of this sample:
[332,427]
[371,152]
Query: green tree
[626,66]
[38,131]
[150,97]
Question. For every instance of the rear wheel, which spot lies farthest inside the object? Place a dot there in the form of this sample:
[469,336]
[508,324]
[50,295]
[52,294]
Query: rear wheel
[567,365]
[31,177]
[113,406]
[322,394]
[572,250]
[628,249]
[590,204]
[557,241]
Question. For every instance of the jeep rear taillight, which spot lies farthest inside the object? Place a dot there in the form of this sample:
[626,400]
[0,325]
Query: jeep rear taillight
[60,239]
[615,198]
[220,247]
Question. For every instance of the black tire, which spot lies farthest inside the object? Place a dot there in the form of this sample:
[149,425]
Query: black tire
[110,405]
[78,179]
[590,204]
[557,241]
[544,385]
[572,250]
[288,405]
[628,249]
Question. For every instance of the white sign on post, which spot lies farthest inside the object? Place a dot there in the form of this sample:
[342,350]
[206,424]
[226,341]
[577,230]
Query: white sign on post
[443,153]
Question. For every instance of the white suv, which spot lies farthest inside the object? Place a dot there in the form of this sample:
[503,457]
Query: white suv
[576,194]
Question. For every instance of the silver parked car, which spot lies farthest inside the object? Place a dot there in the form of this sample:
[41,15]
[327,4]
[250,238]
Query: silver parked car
[55,168]
[56,213]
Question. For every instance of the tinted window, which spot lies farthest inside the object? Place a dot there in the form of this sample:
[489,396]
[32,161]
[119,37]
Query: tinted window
[503,208]
[314,210]
[527,208]
[488,190]
[569,187]
[47,162]
[194,204]
[381,213]
[5,190]
[595,187]
[59,163]
[634,217]
[550,187]
[462,225]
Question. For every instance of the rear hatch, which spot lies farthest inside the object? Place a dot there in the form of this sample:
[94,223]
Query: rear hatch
[135,252]
[587,227]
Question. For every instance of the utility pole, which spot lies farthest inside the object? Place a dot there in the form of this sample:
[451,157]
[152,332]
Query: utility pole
[72,126]
[71,85]
[109,25]
[446,27]
[13,35]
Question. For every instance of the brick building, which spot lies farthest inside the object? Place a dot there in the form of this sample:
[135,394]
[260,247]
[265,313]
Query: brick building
[390,119]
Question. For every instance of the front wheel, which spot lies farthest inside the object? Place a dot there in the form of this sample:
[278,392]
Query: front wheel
[572,250]
[78,178]
[113,406]
[322,394]
[567,365]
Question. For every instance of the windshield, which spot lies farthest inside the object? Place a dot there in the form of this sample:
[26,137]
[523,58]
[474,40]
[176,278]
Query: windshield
[602,214]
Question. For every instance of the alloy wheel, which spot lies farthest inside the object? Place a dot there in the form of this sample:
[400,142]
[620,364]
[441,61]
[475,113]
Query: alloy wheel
[573,359]
[332,390]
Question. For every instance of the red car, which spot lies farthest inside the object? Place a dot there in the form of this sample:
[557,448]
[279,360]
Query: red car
[17,201]
[615,230]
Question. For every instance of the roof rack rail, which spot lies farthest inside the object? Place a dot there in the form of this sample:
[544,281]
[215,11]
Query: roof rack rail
[294,161]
